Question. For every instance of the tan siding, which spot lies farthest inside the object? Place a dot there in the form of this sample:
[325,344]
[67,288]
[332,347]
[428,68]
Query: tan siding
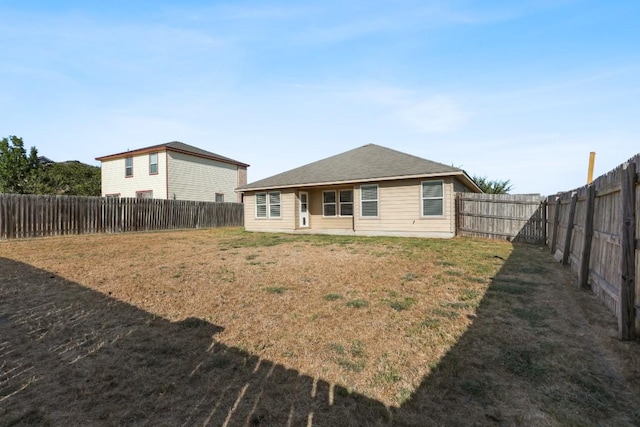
[196,178]
[317,221]
[459,187]
[115,182]
[285,223]
[399,209]
[399,204]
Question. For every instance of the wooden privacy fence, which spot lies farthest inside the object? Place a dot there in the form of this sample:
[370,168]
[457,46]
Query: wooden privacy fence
[596,230]
[24,216]
[512,217]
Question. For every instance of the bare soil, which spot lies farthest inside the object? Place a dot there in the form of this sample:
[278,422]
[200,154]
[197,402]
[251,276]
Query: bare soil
[223,327]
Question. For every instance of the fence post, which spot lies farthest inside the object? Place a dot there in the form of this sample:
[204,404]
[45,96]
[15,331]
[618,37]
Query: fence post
[567,241]
[556,224]
[457,225]
[628,245]
[583,274]
[543,206]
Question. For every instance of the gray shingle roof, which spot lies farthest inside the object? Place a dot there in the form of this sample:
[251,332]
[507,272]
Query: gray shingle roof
[189,148]
[181,147]
[366,163]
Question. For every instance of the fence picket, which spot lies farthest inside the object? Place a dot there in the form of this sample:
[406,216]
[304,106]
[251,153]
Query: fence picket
[24,216]
[503,216]
[607,260]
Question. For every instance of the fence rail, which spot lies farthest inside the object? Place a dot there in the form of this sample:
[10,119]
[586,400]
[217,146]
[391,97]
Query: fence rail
[595,230]
[519,217]
[23,216]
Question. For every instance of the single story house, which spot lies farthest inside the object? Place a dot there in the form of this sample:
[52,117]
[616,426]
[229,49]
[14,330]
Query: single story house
[173,170]
[370,190]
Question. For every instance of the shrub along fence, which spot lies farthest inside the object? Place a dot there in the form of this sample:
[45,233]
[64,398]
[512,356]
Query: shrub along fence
[596,230]
[24,216]
[519,217]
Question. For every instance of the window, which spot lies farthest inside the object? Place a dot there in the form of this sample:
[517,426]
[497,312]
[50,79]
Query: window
[346,203]
[432,198]
[261,205]
[128,167]
[329,203]
[274,204]
[153,163]
[112,196]
[369,200]
[268,205]
[219,198]
[147,194]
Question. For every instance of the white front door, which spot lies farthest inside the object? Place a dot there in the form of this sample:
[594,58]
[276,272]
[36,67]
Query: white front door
[304,209]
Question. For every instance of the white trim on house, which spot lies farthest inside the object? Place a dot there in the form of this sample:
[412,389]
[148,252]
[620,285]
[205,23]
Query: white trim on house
[370,201]
[342,204]
[272,203]
[433,196]
[359,181]
[329,204]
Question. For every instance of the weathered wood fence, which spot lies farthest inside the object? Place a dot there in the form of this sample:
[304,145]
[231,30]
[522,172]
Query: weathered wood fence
[515,217]
[23,216]
[596,230]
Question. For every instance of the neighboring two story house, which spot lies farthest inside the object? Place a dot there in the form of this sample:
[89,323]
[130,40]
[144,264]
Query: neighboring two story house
[172,171]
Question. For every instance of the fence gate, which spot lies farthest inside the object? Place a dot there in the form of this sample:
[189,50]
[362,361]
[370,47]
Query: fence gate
[514,217]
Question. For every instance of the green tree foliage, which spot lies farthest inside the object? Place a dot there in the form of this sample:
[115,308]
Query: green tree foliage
[72,178]
[23,174]
[493,186]
[19,172]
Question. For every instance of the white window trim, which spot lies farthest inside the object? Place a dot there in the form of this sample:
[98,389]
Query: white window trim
[377,200]
[335,203]
[423,199]
[127,167]
[344,203]
[156,163]
[267,205]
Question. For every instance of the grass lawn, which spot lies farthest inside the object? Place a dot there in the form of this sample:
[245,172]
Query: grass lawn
[222,326]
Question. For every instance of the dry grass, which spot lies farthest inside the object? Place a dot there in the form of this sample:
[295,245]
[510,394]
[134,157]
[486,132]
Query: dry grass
[427,326]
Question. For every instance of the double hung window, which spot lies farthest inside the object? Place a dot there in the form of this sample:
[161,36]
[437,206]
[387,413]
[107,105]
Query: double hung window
[329,203]
[432,198]
[153,163]
[346,203]
[369,200]
[128,167]
[268,205]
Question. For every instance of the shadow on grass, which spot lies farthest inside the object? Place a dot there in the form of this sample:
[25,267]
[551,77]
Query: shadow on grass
[71,356]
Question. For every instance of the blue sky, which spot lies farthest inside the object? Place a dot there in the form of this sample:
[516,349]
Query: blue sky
[519,90]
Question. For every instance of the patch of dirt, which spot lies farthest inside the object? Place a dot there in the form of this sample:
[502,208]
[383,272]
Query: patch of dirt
[211,327]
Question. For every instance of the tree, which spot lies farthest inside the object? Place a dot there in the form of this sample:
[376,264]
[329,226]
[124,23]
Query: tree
[23,174]
[72,178]
[19,172]
[493,186]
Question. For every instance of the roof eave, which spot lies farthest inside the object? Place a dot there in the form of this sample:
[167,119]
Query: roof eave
[168,148]
[356,181]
